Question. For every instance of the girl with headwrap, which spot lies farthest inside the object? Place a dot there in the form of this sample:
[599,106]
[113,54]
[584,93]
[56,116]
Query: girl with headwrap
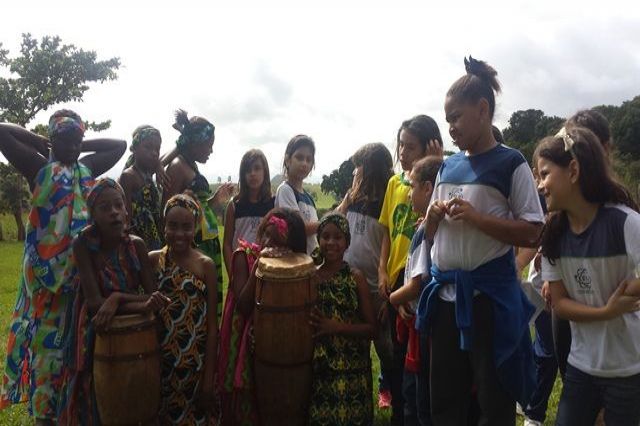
[195,146]
[142,197]
[59,183]
[188,325]
[114,276]
[344,325]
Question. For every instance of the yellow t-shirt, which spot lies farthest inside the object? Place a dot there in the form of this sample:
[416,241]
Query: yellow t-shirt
[400,220]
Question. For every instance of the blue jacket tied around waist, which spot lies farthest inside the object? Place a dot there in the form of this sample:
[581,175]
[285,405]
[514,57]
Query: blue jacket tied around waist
[511,312]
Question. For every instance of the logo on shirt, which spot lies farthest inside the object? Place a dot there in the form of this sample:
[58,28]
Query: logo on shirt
[583,279]
[455,193]
[403,221]
[360,226]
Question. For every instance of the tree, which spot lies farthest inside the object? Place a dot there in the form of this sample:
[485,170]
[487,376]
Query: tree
[14,195]
[46,74]
[43,75]
[625,128]
[339,181]
[527,127]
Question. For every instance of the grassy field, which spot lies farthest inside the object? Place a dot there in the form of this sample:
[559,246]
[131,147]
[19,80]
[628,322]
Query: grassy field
[10,257]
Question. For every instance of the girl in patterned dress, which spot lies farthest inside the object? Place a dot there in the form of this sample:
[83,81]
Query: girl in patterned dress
[114,276]
[142,197]
[189,326]
[59,184]
[344,326]
[279,230]
[195,145]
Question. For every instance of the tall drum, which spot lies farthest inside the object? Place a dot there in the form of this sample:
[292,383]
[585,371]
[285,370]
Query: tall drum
[126,371]
[285,295]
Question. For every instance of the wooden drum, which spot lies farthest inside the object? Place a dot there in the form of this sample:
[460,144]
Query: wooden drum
[126,371]
[285,296]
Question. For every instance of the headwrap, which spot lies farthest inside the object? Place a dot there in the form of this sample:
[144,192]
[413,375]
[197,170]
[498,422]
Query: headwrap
[99,186]
[65,121]
[194,133]
[338,220]
[281,226]
[186,202]
[140,134]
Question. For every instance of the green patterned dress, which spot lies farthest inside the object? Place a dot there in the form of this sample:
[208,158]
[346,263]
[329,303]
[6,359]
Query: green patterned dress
[341,391]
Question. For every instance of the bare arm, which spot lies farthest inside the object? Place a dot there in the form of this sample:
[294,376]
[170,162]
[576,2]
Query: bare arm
[383,277]
[524,257]
[179,175]
[406,293]
[127,183]
[229,231]
[26,151]
[569,309]
[147,277]
[106,153]
[168,157]
[210,360]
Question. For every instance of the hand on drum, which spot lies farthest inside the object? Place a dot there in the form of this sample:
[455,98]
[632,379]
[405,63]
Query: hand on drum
[108,309]
[156,301]
[324,326]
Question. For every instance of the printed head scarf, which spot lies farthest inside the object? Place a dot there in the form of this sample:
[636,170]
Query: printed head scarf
[99,186]
[339,221]
[184,201]
[65,121]
[140,134]
[194,131]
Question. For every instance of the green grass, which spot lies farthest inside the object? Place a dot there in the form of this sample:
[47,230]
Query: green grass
[10,260]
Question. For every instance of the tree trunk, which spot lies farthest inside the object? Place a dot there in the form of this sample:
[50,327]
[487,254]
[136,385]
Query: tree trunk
[17,214]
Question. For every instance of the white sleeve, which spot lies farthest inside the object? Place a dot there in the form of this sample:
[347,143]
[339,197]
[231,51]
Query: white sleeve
[523,198]
[421,265]
[632,237]
[550,272]
[285,197]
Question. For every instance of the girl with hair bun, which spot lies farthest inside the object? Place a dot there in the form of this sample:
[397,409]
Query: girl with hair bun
[484,202]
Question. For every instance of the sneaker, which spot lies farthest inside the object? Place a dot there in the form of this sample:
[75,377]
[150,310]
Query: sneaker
[529,422]
[384,398]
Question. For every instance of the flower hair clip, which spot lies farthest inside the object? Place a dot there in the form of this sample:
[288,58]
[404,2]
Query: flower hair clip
[281,225]
[568,140]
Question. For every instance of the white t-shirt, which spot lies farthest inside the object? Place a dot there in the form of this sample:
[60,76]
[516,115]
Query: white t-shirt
[366,240]
[418,261]
[591,266]
[288,197]
[498,182]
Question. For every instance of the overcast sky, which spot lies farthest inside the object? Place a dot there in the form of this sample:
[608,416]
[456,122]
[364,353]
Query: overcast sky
[345,75]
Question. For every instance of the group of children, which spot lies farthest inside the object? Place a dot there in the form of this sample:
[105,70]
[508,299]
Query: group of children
[422,263]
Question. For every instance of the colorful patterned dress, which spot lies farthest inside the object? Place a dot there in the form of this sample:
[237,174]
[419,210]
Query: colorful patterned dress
[117,271]
[146,220]
[39,322]
[235,363]
[183,339]
[341,390]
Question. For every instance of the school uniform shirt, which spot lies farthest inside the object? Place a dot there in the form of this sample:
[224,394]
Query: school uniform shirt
[592,265]
[302,202]
[498,182]
[366,240]
[247,217]
[399,219]
[418,261]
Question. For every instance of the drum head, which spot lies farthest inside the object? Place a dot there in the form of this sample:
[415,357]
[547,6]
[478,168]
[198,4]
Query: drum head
[292,265]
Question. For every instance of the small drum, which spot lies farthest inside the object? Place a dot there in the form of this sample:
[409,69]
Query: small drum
[126,371]
[285,296]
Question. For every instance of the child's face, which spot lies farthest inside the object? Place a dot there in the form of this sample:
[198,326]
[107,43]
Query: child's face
[109,212]
[179,229]
[420,194]
[333,242]
[464,122]
[201,152]
[147,153]
[66,147]
[409,149]
[255,176]
[300,163]
[555,183]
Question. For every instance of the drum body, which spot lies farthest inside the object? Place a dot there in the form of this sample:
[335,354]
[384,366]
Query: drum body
[126,371]
[285,295]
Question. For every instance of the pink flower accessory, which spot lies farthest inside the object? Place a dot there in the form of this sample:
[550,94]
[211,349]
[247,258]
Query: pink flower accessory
[281,226]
